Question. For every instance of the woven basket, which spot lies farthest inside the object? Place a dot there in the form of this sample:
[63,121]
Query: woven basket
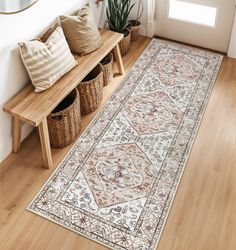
[124,44]
[64,122]
[135,31]
[107,68]
[91,91]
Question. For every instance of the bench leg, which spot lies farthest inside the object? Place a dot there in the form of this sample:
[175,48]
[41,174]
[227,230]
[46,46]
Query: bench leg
[45,143]
[16,135]
[119,60]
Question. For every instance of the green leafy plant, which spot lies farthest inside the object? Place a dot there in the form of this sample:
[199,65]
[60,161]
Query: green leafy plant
[117,12]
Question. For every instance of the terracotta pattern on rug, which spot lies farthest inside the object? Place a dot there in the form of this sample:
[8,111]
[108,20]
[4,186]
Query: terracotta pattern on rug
[117,184]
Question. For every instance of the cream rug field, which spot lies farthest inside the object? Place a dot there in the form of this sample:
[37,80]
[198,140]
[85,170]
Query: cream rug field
[118,182]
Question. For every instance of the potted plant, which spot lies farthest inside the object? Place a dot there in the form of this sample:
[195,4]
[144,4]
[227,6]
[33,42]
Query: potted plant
[134,25]
[117,12]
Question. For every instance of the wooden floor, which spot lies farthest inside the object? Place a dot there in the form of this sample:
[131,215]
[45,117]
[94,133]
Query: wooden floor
[203,215]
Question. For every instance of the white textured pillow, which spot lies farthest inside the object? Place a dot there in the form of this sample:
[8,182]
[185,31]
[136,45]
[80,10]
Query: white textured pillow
[47,61]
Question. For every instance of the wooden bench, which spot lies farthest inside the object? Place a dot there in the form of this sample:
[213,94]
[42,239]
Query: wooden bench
[33,108]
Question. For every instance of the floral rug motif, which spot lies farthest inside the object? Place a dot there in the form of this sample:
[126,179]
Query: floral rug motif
[117,184]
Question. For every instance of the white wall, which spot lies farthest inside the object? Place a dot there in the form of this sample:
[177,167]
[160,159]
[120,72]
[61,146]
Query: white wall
[13,29]
[147,20]
[143,19]
[232,44]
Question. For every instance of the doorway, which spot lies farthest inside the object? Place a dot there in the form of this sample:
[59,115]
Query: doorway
[204,23]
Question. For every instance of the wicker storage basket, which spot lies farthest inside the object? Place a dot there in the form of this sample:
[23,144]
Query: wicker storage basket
[107,69]
[124,44]
[64,122]
[135,30]
[91,91]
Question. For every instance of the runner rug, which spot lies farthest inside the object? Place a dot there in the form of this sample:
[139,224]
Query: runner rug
[118,182]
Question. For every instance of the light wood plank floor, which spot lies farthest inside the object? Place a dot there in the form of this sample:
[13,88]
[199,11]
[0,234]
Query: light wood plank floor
[203,215]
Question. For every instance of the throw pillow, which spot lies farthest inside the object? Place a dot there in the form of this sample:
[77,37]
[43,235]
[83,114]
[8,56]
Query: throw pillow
[81,31]
[47,61]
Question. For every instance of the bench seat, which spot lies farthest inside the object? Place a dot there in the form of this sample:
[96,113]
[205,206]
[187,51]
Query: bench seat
[33,108]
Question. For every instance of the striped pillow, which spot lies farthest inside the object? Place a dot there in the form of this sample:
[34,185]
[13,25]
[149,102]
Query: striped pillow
[47,62]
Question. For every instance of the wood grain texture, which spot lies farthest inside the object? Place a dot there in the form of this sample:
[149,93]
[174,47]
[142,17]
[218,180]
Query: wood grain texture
[119,60]
[33,107]
[45,143]
[203,214]
[16,134]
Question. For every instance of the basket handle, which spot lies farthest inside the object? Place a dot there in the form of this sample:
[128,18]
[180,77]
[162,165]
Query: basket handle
[102,68]
[57,117]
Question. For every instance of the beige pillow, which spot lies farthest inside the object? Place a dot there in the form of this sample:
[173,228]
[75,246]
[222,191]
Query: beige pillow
[47,61]
[81,31]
